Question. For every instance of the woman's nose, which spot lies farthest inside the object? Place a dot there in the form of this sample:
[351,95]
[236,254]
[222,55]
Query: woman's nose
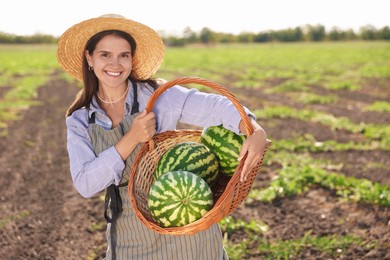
[115,61]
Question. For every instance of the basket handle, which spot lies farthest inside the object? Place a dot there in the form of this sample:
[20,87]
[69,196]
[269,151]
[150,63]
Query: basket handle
[205,82]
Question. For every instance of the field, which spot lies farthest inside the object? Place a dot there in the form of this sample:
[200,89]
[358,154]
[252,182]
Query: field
[322,192]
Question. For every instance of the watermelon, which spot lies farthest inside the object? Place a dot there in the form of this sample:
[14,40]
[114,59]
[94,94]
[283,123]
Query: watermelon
[189,156]
[225,144]
[178,198]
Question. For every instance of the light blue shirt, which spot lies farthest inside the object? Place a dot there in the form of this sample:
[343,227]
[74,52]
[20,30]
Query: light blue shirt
[92,174]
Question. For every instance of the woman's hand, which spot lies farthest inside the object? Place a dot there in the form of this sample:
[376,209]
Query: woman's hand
[142,129]
[253,147]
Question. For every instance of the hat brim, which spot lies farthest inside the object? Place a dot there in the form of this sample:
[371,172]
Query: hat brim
[148,56]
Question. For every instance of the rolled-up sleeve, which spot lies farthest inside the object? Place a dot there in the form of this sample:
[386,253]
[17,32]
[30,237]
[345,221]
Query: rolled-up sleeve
[91,174]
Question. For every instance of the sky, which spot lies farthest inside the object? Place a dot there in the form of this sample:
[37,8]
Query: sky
[27,17]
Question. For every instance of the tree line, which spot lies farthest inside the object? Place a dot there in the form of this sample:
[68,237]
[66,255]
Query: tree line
[206,36]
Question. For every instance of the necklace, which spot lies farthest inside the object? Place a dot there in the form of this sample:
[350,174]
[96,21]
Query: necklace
[112,102]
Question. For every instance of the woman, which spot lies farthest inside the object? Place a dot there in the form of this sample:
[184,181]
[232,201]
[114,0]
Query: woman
[116,58]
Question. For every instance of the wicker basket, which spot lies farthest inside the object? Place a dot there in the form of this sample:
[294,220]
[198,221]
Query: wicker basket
[228,192]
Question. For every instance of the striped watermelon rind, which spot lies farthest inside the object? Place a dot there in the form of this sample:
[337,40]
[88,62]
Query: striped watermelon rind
[189,156]
[178,198]
[225,144]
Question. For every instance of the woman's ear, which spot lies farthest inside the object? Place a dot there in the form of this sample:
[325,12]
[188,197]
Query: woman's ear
[89,58]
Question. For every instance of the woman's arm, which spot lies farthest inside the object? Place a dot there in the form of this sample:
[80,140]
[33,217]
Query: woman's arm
[90,173]
[196,108]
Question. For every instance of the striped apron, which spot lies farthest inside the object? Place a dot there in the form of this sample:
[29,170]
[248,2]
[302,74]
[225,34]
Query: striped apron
[127,237]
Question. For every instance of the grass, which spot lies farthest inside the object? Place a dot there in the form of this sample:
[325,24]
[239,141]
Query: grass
[379,106]
[299,172]
[335,123]
[249,65]
[307,143]
[331,245]
[311,99]
[293,180]
[289,86]
[23,69]
[380,133]
[253,230]
[21,215]
[229,224]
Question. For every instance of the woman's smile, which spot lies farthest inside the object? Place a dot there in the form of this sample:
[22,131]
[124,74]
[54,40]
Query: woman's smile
[113,74]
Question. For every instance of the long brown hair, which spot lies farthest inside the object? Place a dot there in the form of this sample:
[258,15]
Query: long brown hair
[91,83]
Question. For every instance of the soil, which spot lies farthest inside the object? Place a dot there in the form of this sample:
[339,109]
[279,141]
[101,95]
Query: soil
[43,217]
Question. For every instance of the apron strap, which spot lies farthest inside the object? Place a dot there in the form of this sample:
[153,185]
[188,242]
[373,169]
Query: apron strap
[113,195]
[92,118]
[135,107]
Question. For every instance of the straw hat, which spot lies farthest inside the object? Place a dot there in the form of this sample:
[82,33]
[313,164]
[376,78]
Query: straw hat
[148,56]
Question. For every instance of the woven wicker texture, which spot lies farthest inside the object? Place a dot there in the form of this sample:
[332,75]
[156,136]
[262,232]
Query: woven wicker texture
[228,192]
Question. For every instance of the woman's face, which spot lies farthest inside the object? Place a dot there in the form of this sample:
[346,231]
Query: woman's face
[111,61]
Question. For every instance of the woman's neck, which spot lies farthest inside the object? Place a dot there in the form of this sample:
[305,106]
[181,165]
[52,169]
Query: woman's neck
[115,112]
[113,102]
[112,96]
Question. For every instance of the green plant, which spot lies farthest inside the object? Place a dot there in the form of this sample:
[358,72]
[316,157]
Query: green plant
[371,131]
[253,230]
[19,216]
[296,179]
[379,106]
[229,224]
[332,245]
[309,98]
